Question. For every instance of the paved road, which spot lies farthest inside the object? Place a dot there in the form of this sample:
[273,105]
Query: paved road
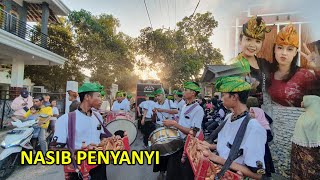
[123,172]
[114,172]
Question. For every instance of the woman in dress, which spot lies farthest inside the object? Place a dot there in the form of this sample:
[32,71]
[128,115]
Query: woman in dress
[288,82]
[252,67]
[305,156]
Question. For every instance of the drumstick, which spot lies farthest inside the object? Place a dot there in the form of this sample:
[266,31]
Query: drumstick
[164,117]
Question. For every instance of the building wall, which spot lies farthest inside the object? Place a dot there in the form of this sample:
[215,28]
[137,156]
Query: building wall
[284,120]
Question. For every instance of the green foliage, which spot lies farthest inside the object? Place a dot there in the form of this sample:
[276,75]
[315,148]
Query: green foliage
[54,78]
[106,53]
[182,53]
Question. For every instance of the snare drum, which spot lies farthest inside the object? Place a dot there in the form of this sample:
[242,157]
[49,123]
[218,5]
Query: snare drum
[166,140]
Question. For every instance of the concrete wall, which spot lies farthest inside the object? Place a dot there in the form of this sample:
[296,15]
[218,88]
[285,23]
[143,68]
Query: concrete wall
[284,120]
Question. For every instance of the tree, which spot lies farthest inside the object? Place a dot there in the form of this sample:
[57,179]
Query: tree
[54,78]
[183,53]
[106,53]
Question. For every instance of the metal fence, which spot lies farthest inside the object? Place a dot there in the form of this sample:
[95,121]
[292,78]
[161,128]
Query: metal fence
[13,25]
[5,111]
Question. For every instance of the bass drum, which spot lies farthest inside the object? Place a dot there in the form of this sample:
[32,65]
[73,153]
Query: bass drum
[123,125]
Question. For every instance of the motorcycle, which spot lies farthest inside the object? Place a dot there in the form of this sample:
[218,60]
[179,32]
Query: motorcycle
[15,141]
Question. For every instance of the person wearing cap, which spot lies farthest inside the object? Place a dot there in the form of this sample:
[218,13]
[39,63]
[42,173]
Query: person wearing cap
[140,110]
[170,97]
[120,104]
[125,98]
[191,116]
[88,124]
[253,68]
[147,125]
[131,101]
[22,103]
[250,163]
[179,101]
[73,97]
[105,103]
[165,109]
[38,102]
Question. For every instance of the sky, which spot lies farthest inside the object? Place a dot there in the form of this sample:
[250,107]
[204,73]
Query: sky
[132,14]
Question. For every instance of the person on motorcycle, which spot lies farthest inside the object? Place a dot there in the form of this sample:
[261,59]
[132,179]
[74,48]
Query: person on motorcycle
[45,113]
[21,104]
[34,114]
[46,100]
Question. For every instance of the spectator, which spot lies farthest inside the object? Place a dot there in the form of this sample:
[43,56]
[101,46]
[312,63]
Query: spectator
[22,103]
[252,102]
[218,115]
[34,110]
[259,115]
[55,112]
[46,100]
[209,105]
[74,101]
[46,113]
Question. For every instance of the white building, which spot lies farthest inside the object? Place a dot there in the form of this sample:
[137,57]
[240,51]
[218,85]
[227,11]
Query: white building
[21,44]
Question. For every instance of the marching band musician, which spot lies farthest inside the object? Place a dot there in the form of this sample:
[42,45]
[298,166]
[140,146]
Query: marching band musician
[163,110]
[120,104]
[177,94]
[147,125]
[250,156]
[190,117]
[88,126]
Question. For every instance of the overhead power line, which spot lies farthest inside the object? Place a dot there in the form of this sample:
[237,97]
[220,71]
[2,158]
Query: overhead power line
[168,12]
[195,9]
[147,13]
[175,14]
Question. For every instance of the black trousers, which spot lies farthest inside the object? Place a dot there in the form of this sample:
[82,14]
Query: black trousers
[162,166]
[146,130]
[98,173]
[178,170]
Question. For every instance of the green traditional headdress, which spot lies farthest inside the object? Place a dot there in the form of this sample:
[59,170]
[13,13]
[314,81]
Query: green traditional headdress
[158,91]
[120,94]
[231,84]
[170,96]
[150,95]
[177,92]
[192,86]
[91,87]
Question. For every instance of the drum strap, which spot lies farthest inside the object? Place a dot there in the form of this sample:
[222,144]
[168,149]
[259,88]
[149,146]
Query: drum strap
[107,133]
[215,133]
[191,108]
[71,139]
[235,151]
